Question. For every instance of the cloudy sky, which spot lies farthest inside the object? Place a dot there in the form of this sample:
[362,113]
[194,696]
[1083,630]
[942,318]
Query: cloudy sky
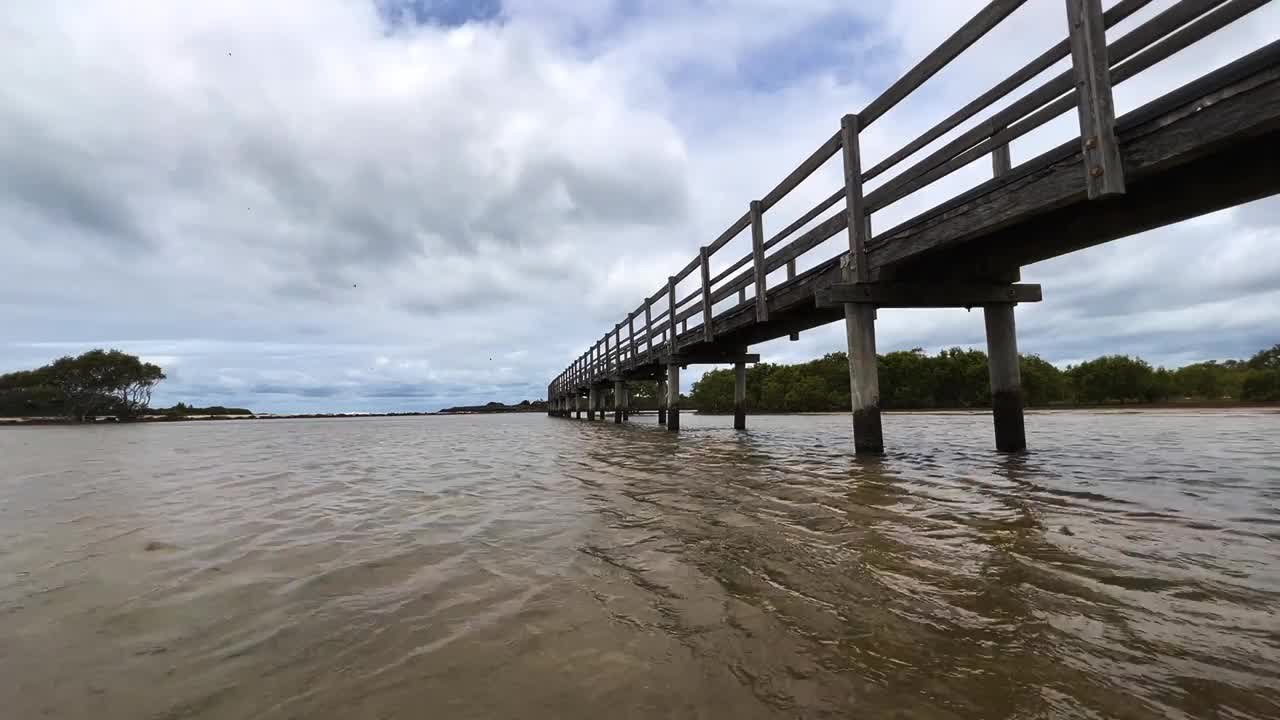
[408,204]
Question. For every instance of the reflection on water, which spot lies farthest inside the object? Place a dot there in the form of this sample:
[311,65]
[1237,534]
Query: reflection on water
[519,566]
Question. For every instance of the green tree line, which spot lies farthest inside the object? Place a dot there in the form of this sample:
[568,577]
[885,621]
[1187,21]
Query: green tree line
[957,378]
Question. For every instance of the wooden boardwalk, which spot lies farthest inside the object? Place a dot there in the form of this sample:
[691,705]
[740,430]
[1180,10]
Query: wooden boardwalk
[1211,144]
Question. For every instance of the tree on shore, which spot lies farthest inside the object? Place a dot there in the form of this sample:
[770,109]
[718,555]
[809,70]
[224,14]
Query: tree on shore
[98,382]
[958,378]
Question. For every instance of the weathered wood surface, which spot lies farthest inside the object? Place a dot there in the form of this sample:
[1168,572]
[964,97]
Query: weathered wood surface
[1104,175]
[927,295]
[1206,146]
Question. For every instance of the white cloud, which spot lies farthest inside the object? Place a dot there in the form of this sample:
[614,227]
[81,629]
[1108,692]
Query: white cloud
[267,196]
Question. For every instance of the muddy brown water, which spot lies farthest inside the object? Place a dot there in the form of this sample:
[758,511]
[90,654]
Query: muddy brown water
[525,567]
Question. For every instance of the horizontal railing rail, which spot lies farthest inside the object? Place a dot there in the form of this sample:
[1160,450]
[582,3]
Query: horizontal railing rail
[665,321]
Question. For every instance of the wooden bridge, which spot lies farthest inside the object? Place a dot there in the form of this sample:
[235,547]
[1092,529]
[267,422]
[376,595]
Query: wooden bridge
[1211,144]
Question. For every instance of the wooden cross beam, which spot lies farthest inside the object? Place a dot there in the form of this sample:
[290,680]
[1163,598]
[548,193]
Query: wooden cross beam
[927,295]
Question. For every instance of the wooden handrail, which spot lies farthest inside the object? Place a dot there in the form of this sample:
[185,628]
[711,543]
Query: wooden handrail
[1121,11]
[1158,38]
[969,33]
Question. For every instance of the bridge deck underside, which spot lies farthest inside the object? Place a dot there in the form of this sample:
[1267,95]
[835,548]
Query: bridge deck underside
[1213,144]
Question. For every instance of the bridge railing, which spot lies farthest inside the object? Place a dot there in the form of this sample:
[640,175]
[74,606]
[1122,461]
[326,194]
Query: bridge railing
[664,320]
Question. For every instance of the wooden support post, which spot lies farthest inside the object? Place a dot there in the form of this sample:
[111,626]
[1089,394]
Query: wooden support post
[648,324]
[791,275]
[1002,355]
[577,406]
[591,403]
[855,204]
[757,259]
[673,397]
[864,376]
[626,401]
[671,315]
[740,396]
[1001,162]
[707,334]
[631,334]
[1006,380]
[662,402]
[606,369]
[617,401]
[1104,172]
[859,319]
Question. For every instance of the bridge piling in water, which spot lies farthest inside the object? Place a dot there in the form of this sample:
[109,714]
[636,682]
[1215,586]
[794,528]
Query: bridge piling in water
[673,396]
[1006,380]
[591,403]
[617,401]
[739,396]
[662,402]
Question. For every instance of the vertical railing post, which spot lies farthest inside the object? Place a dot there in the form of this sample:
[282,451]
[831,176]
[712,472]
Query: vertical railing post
[631,334]
[617,347]
[705,264]
[1001,162]
[1104,171]
[648,324]
[757,257]
[671,315]
[740,396]
[673,396]
[860,318]
[791,275]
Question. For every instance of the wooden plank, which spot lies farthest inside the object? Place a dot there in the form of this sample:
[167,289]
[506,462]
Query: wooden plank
[813,237]
[706,294]
[631,334]
[928,295]
[757,253]
[791,275]
[1096,107]
[969,33]
[808,217]
[1132,42]
[1001,161]
[854,207]
[731,269]
[889,193]
[713,357]
[1044,61]
[802,173]
[1161,133]
[738,226]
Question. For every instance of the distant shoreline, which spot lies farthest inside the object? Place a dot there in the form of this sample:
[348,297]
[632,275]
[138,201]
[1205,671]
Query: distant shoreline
[111,420]
[516,410]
